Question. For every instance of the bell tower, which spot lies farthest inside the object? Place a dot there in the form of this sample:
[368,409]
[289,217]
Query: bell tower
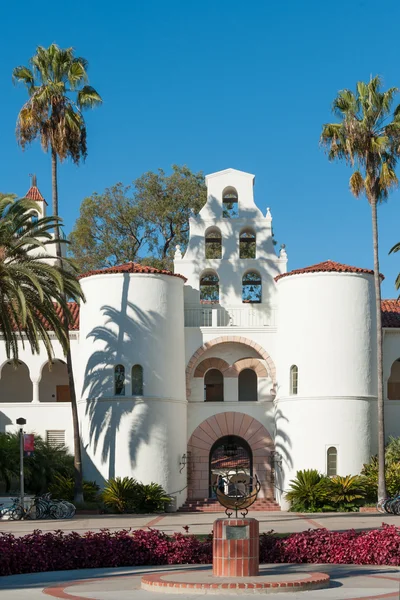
[230,260]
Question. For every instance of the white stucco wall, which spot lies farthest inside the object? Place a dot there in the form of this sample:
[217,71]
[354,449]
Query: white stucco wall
[133,319]
[23,395]
[326,323]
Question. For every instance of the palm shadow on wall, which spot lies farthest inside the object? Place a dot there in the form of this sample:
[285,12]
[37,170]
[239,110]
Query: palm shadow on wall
[104,410]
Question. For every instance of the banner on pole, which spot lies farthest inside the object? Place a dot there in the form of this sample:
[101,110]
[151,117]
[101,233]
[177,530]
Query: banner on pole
[29,443]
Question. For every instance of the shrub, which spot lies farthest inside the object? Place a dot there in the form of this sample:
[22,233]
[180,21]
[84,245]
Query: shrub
[59,551]
[307,492]
[119,494]
[150,498]
[128,495]
[40,468]
[345,493]
[63,489]
[392,473]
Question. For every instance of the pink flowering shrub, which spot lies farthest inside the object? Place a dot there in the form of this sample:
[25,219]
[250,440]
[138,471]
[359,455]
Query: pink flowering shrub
[60,551]
[375,547]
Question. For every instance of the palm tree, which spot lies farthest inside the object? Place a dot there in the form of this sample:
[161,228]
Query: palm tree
[367,137]
[54,78]
[30,287]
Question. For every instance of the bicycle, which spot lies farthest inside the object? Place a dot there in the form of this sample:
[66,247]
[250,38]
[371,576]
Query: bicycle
[15,512]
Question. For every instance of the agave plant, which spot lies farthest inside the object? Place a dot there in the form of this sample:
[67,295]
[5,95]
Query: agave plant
[307,492]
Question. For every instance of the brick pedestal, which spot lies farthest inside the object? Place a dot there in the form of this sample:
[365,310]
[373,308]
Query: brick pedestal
[236,547]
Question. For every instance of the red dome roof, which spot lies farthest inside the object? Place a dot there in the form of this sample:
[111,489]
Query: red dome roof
[329,266]
[131,267]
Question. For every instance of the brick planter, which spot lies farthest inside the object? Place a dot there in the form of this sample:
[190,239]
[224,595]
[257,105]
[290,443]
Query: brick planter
[236,546]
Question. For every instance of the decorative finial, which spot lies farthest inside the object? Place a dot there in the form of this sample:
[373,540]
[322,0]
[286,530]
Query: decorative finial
[282,253]
[268,215]
[33,179]
[178,253]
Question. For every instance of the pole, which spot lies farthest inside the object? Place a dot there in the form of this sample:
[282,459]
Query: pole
[21,465]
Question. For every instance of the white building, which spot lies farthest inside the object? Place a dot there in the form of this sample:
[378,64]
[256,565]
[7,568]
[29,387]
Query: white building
[229,352]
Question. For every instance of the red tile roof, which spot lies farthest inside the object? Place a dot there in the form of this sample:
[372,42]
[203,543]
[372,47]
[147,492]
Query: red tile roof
[390,313]
[131,267]
[329,266]
[34,194]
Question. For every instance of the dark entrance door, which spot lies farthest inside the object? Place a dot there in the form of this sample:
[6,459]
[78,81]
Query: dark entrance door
[228,456]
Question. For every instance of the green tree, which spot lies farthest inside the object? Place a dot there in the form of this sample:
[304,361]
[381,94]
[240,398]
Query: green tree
[29,286]
[367,137]
[143,222]
[57,85]
[110,229]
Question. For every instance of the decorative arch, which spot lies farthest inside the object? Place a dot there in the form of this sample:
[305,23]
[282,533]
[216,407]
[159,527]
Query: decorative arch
[229,423]
[225,340]
[211,363]
[248,363]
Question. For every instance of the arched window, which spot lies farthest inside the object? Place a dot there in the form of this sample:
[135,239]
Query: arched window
[213,386]
[213,241]
[294,380]
[247,244]
[35,217]
[251,288]
[119,380]
[393,391]
[331,461]
[248,386]
[137,380]
[230,203]
[209,287]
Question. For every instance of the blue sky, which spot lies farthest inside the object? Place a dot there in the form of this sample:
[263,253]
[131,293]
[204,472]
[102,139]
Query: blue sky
[216,84]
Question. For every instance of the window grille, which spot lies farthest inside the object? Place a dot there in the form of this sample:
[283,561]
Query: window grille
[137,380]
[294,380]
[331,461]
[55,437]
[119,380]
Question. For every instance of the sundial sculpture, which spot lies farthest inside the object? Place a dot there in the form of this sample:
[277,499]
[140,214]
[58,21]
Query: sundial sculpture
[242,494]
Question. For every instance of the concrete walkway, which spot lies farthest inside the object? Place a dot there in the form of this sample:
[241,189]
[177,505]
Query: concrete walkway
[201,523]
[347,583]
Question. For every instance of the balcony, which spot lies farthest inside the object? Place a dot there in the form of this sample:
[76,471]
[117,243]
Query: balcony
[237,316]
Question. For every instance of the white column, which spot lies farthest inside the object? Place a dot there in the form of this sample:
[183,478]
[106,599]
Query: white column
[214,317]
[231,389]
[35,391]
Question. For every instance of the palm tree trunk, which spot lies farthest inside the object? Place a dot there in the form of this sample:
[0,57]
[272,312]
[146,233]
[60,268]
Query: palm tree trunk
[381,416]
[54,190]
[78,475]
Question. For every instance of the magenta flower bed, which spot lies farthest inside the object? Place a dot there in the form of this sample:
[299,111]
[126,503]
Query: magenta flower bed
[62,551]
[375,547]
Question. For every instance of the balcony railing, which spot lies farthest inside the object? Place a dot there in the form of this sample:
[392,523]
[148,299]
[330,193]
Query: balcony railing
[247,316]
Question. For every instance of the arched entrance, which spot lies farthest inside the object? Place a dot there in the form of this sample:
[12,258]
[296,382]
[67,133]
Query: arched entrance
[228,455]
[210,434]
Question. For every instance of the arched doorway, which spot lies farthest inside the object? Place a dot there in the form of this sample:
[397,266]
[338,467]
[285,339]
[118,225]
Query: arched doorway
[209,433]
[229,455]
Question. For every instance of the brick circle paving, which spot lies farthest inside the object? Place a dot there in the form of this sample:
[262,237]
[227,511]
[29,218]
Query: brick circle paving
[196,581]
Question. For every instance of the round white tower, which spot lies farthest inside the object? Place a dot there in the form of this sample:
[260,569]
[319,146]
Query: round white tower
[132,379]
[326,370]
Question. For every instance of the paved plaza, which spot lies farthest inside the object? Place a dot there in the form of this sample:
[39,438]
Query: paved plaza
[347,583]
[201,523]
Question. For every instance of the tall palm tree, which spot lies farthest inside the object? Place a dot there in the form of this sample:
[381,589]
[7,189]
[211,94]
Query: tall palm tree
[56,81]
[30,287]
[367,137]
